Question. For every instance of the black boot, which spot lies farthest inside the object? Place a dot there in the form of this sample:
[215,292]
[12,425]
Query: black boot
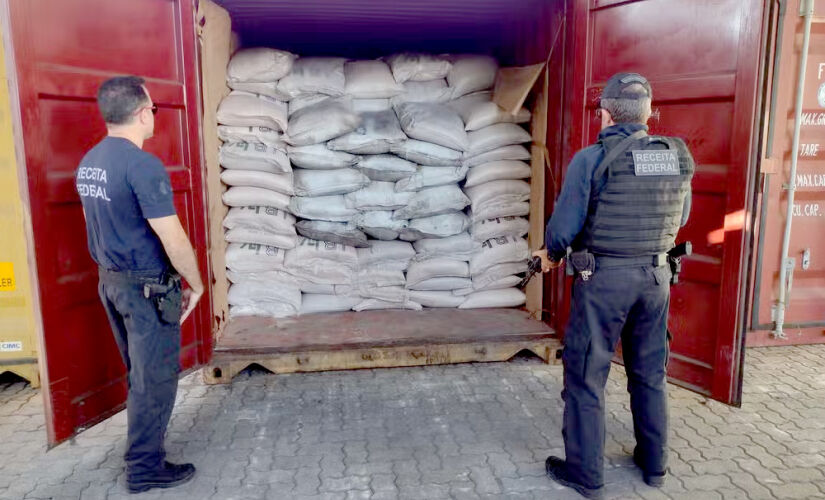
[654,479]
[557,470]
[171,475]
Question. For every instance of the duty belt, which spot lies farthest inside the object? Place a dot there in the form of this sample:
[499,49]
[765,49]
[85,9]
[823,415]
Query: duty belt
[646,260]
[133,277]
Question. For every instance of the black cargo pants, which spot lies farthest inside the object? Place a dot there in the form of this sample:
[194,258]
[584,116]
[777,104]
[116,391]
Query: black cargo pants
[618,301]
[150,348]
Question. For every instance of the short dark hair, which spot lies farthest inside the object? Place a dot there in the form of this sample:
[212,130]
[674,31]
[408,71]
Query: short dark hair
[636,110]
[118,98]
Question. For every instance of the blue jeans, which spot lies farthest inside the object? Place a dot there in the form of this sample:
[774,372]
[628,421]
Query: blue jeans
[628,303]
[150,349]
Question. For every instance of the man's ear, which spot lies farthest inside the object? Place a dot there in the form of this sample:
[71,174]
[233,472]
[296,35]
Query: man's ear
[607,118]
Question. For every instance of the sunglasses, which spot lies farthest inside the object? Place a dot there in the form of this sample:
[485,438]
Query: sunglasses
[153,108]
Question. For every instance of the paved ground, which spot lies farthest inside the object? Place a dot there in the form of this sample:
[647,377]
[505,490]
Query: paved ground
[462,431]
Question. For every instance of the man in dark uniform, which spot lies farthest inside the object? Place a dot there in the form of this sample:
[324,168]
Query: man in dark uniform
[621,205]
[137,240]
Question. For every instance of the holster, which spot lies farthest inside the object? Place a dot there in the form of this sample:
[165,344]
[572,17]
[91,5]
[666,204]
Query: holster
[582,263]
[167,298]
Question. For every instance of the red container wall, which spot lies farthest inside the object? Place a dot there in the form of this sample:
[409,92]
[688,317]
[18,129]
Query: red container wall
[805,313]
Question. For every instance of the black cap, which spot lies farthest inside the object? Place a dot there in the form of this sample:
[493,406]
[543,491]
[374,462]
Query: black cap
[616,87]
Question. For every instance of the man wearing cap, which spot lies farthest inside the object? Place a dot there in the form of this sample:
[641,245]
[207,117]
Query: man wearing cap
[621,205]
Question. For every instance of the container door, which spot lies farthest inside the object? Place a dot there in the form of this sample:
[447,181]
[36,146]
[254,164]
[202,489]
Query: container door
[805,313]
[63,51]
[703,60]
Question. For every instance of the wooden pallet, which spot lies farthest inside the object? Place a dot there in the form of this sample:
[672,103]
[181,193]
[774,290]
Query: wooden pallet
[378,339]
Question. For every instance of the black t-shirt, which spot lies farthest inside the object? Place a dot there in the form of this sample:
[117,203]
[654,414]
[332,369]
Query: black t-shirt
[120,187]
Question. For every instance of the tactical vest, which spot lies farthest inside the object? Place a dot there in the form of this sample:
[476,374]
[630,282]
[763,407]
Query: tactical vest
[638,209]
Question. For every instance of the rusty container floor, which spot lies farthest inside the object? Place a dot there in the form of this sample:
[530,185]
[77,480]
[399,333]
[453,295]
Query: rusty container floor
[348,340]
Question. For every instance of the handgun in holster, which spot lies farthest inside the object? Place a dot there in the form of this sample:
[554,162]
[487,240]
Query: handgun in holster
[580,262]
[166,297]
[674,259]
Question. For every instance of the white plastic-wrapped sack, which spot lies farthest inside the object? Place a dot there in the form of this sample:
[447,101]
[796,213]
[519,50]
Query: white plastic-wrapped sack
[371,105]
[258,293]
[497,192]
[507,297]
[244,109]
[442,284]
[459,247]
[431,298]
[433,201]
[330,208]
[499,251]
[268,89]
[463,105]
[310,287]
[379,224]
[322,262]
[321,122]
[396,293]
[439,267]
[430,177]
[377,304]
[377,195]
[514,227]
[386,168]
[431,91]
[471,73]
[312,303]
[251,258]
[254,156]
[315,75]
[427,153]
[304,101]
[262,309]
[498,272]
[370,80]
[264,276]
[418,67]
[514,152]
[395,255]
[509,209]
[434,123]
[319,157]
[259,64]
[506,282]
[498,171]
[437,226]
[478,111]
[328,182]
[246,196]
[374,135]
[281,183]
[249,235]
[336,232]
[495,137]
[266,135]
[380,277]
[485,114]
[261,217]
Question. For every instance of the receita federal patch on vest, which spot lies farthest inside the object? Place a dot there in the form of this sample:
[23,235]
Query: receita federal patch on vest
[656,162]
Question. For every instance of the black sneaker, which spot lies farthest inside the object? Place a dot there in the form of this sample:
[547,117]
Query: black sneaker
[171,475]
[656,480]
[557,470]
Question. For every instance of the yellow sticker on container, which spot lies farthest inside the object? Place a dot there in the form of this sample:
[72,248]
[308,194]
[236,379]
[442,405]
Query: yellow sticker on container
[6,277]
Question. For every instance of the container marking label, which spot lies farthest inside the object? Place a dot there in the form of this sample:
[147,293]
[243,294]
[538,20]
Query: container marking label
[7,277]
[11,346]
